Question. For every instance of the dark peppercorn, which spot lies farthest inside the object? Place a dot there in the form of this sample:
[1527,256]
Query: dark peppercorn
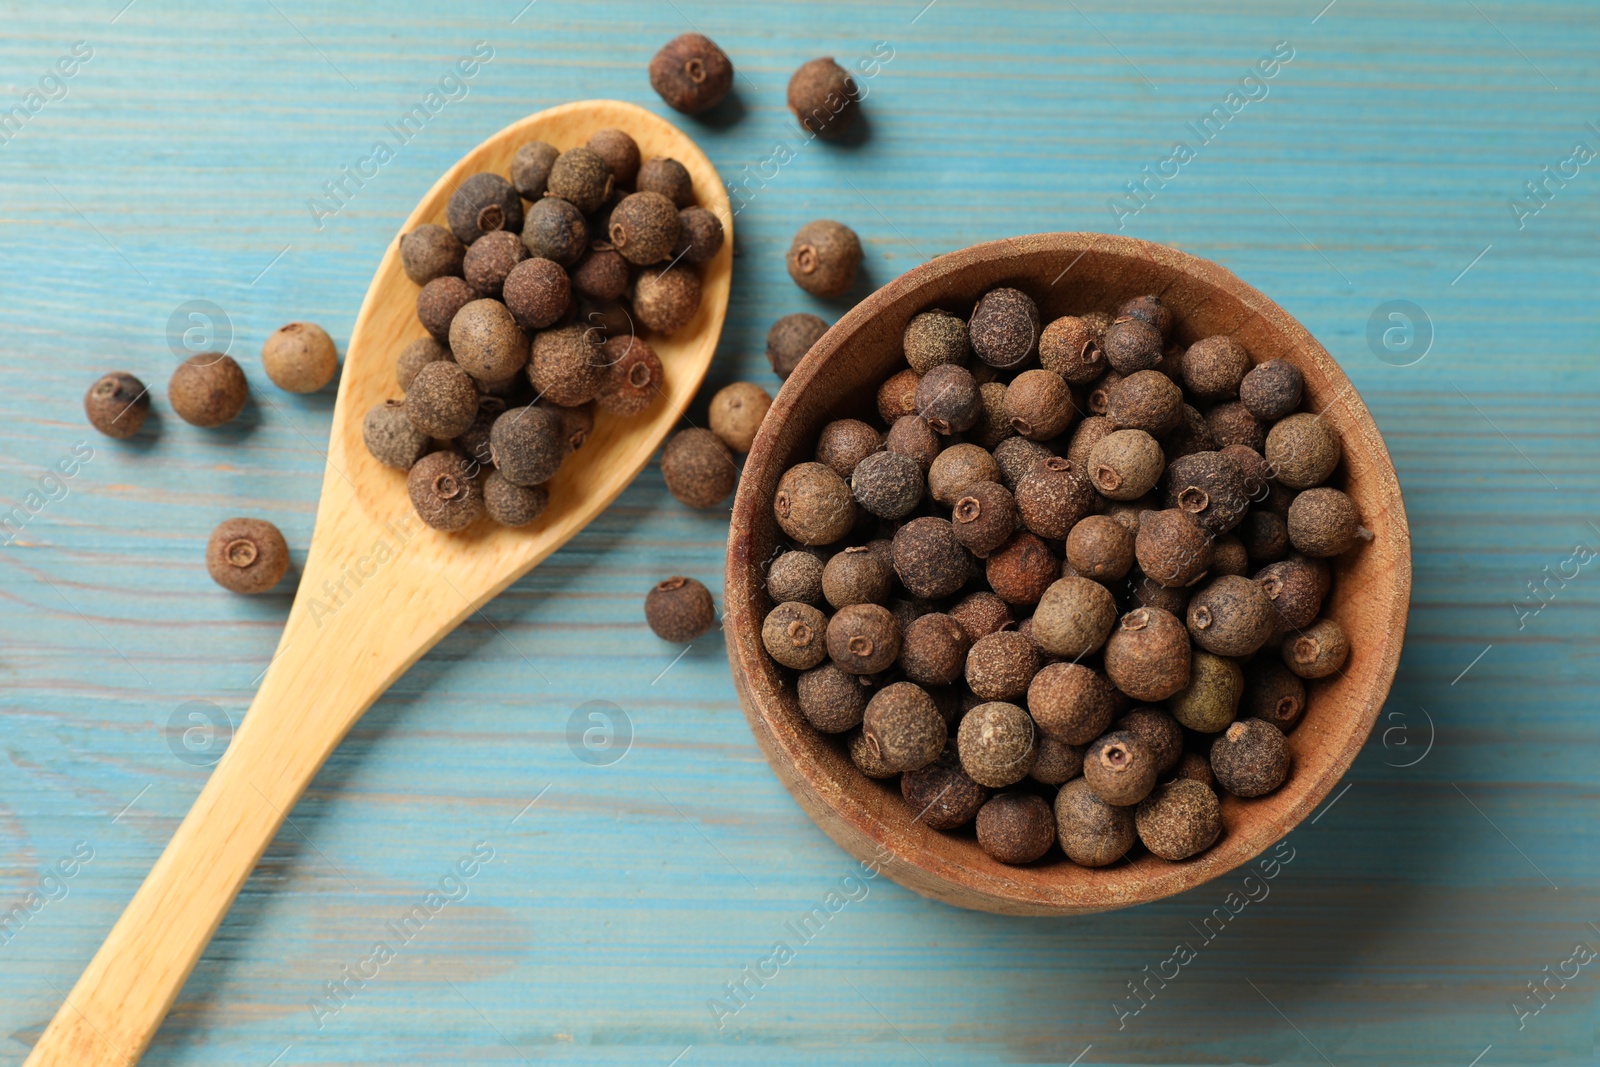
[1090,432]
[865,755]
[903,726]
[537,293]
[632,377]
[691,73]
[910,435]
[1251,758]
[1229,557]
[856,575]
[984,517]
[1004,327]
[1171,549]
[414,357]
[1020,570]
[1301,451]
[736,413]
[1150,309]
[1119,768]
[1057,762]
[887,484]
[580,177]
[1016,828]
[1074,617]
[1214,366]
[699,236]
[1092,832]
[897,396]
[1101,548]
[790,338]
[513,505]
[1147,654]
[555,230]
[997,744]
[1317,651]
[1323,522]
[208,389]
[679,610]
[430,251]
[981,614]
[576,423]
[795,575]
[1208,487]
[1265,536]
[117,404]
[935,338]
[644,228]
[602,274]
[1038,404]
[666,299]
[668,177]
[823,98]
[1069,347]
[994,423]
[530,168]
[1191,435]
[1178,820]
[699,470]
[823,258]
[928,557]
[933,649]
[566,365]
[526,445]
[1253,467]
[487,342]
[795,635]
[1132,344]
[1232,424]
[1071,703]
[442,401]
[1054,497]
[1294,586]
[444,492]
[1125,464]
[948,397]
[1211,699]
[391,438]
[845,442]
[473,442]
[489,259]
[1160,733]
[813,504]
[832,700]
[482,204]
[1145,400]
[1274,693]
[1196,768]
[619,152]
[942,795]
[1016,456]
[1000,666]
[247,555]
[438,303]
[1271,390]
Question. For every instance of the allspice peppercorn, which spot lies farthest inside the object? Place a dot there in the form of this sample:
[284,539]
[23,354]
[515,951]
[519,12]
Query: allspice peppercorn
[1004,327]
[1016,828]
[984,517]
[1101,548]
[414,356]
[1145,400]
[513,505]
[1125,464]
[1074,617]
[1171,549]
[487,342]
[1099,395]
[644,228]
[666,299]
[489,259]
[1209,488]
[1092,832]
[736,413]
[117,404]
[530,168]
[482,204]
[1057,762]
[887,484]
[1180,819]
[1131,345]
[813,504]
[208,389]
[795,575]
[667,176]
[555,230]
[300,357]
[632,378]
[994,423]
[1071,703]
[790,338]
[1295,588]
[679,609]
[576,423]
[602,274]
[580,177]
[865,755]
[1038,404]
[1196,768]
[1054,497]
[1069,347]
[795,635]
[1251,758]
[823,258]
[981,613]
[537,293]
[430,251]
[844,442]
[1254,468]
[438,303]
[1231,616]
[691,73]
[1317,651]
[942,795]
[1323,522]
[699,471]
[1301,451]
[442,401]
[832,700]
[1020,570]
[1147,655]
[997,744]
[566,365]
[933,649]
[1232,424]
[935,338]
[247,555]
[1211,699]
[1271,390]
[863,638]
[1213,367]
[1000,666]
[903,727]
[700,236]
[956,469]
[823,98]
[1016,456]
[1191,435]
[897,396]
[620,153]
[1145,592]
[928,558]
[526,446]
[1274,693]
[1160,733]
[444,491]
[948,397]
[1119,769]
[856,575]
[391,438]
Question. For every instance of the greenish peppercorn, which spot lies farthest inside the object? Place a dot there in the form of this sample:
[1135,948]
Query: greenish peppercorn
[208,389]
[832,700]
[823,98]
[1323,522]
[984,517]
[1020,570]
[666,299]
[1160,733]
[645,228]
[1272,390]
[530,168]
[982,613]
[823,258]
[679,610]
[790,338]
[1145,400]
[482,204]
[438,303]
[1178,820]
[1005,327]
[526,445]
[1000,666]
[391,438]
[929,559]
[813,504]
[691,73]
[247,555]
[1251,758]
[1054,497]
[935,338]
[1071,702]
[513,505]
[444,491]
[997,744]
[911,436]
[1125,464]
[903,727]
[1092,832]
[1274,693]
[1038,404]
[1016,828]
[1147,655]
[942,795]
[1101,548]
[949,398]
[1302,451]
[699,471]
[700,236]
[887,484]
[795,635]
[117,404]
[1069,347]
[897,396]
[430,251]
[1119,768]
[555,230]
[1132,344]
[1317,651]
[1213,367]
[1210,701]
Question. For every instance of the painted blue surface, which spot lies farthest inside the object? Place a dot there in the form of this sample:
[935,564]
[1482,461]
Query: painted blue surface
[1377,167]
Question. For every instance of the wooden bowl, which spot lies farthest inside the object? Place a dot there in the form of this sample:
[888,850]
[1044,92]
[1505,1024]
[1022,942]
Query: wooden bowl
[1067,273]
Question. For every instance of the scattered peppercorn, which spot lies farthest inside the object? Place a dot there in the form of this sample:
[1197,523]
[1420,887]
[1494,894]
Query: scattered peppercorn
[1000,666]
[1016,828]
[1004,327]
[934,338]
[208,389]
[1179,820]
[903,727]
[1132,344]
[1125,464]
[790,338]
[1323,522]
[1301,451]
[1068,346]
[1020,570]
[483,203]
[1071,702]
[942,795]
[555,230]
[391,437]
[1147,655]
[247,555]
[699,470]
[1092,832]
[530,169]
[513,505]
[1119,768]
[1145,400]
[691,73]
[444,492]
[117,404]
[438,303]
[1251,758]
[1211,699]
[430,251]
[1318,651]
[1272,390]
[795,635]
[679,610]
[823,258]
[1274,693]
[928,558]
[666,299]
[823,98]
[736,414]
[832,700]
[887,484]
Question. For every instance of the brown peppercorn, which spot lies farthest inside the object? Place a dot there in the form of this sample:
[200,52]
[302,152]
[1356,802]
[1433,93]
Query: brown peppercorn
[247,555]
[1191,435]
[1071,703]
[1214,366]
[897,396]
[1209,488]
[1178,820]
[1145,400]
[1196,768]
[117,404]
[1323,522]
[1301,451]
[1057,762]
[1317,651]
[736,413]
[1147,654]
[699,471]
[679,610]
[1004,327]
[790,338]
[935,338]
[414,357]
[1038,404]
[576,423]
[1251,758]
[513,505]
[994,423]
[442,401]
[391,438]
[1294,586]
[691,73]
[1229,557]
[1020,570]
[1125,464]
[555,230]
[997,744]
[813,504]
[1069,347]
[444,491]
[1149,308]
[981,614]
[1016,456]
[1092,832]
[619,152]
[865,755]
[823,98]
[1119,768]
[1099,396]
[530,168]
[903,726]
[1232,616]
[1016,828]
[1271,390]
[537,293]
[300,357]
[1131,345]
[795,575]
[1090,432]
[489,259]
[602,274]
[887,484]
[1160,732]
[984,517]
[666,176]
[928,558]
[832,700]
[644,228]
[948,397]
[580,177]
[1000,666]
[566,365]
[1171,549]
[845,442]
[483,203]
[1054,497]
[942,795]
[1253,467]
[526,446]
[1274,693]
[933,650]
[487,342]
[1211,699]
[910,435]
[1074,617]
[666,299]
[1101,548]
[438,303]
[430,251]
[823,258]
[1145,592]
[795,635]
[632,377]
[1232,424]
[700,236]
[956,469]
[856,575]
[208,389]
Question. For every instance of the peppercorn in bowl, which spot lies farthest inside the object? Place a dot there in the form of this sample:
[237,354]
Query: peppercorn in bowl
[1066,573]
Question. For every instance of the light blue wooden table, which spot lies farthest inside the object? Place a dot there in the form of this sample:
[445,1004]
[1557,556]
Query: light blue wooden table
[1381,163]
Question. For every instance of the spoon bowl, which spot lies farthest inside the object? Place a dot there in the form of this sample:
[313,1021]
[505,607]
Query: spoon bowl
[379,588]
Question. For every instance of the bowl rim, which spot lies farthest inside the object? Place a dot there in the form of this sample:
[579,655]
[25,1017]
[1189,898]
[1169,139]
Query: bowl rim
[847,815]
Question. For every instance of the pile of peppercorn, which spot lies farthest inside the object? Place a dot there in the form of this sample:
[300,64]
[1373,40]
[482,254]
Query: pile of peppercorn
[1067,590]
[531,318]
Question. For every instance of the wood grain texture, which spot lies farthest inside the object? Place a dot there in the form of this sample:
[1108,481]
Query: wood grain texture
[179,165]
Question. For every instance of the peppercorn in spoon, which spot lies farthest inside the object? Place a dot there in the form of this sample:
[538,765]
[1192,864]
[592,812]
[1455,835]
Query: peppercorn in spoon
[378,589]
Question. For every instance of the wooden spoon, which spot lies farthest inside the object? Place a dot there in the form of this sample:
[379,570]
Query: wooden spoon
[378,590]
